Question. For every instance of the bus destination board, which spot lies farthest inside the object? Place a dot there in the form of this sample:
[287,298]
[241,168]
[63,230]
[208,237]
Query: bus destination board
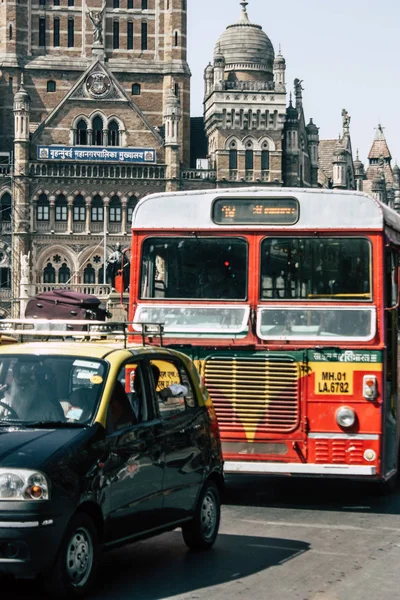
[255,211]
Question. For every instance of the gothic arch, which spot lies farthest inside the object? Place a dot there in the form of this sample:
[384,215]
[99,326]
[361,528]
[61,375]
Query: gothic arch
[50,251]
[80,117]
[269,141]
[39,192]
[76,193]
[5,190]
[233,138]
[119,194]
[252,140]
[87,256]
[93,194]
[118,120]
[62,191]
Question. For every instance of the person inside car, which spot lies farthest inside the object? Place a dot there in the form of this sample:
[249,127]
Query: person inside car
[121,411]
[28,395]
[174,390]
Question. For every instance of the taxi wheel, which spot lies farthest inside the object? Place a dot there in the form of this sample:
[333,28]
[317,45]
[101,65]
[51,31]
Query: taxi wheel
[76,565]
[202,531]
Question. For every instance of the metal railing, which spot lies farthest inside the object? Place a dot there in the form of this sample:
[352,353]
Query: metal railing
[199,174]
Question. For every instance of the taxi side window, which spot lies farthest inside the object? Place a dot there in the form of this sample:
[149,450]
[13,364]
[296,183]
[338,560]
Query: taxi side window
[134,380]
[173,389]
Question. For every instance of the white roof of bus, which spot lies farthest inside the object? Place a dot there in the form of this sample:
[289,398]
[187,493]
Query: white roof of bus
[319,209]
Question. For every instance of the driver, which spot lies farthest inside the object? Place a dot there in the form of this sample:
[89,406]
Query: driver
[28,397]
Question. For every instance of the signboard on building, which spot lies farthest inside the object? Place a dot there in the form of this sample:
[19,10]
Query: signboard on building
[97,154]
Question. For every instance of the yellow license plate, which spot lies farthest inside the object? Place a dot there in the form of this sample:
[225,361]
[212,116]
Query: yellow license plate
[333,379]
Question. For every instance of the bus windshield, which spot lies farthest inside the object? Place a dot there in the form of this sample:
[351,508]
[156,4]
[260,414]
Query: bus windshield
[194,268]
[313,268]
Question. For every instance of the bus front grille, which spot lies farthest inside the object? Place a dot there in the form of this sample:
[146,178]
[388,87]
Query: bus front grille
[259,395]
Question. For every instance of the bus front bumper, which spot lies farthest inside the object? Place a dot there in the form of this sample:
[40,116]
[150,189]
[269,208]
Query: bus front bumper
[252,467]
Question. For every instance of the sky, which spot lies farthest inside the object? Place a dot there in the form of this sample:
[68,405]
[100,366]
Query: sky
[347,52]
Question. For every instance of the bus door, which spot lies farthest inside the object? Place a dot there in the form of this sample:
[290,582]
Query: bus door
[391,371]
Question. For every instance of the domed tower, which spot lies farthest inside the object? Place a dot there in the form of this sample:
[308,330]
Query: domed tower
[359,173]
[172,121]
[244,108]
[280,72]
[208,79]
[20,195]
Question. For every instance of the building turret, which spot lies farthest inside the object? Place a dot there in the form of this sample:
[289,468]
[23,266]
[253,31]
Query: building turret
[172,120]
[22,109]
[396,176]
[208,79]
[20,210]
[219,70]
[280,72]
[313,143]
[339,180]
[378,188]
[359,173]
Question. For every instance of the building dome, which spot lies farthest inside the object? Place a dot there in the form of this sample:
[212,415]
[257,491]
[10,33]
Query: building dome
[245,46]
[22,96]
[312,129]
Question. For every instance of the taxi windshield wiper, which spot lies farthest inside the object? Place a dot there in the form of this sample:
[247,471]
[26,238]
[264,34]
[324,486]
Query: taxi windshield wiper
[53,424]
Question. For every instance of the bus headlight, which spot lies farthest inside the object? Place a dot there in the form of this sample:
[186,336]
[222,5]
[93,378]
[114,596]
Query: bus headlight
[345,417]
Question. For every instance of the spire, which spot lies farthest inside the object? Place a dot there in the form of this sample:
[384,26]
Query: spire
[244,17]
[379,135]
[379,148]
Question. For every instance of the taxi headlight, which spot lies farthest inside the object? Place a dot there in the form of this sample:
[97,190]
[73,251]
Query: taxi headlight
[345,417]
[23,484]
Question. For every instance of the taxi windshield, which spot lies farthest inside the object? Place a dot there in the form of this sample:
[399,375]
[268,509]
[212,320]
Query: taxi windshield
[53,390]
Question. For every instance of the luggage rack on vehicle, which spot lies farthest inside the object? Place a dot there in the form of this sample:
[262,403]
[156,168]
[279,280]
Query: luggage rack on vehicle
[57,329]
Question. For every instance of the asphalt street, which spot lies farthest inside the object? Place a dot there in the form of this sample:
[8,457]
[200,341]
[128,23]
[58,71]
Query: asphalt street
[279,539]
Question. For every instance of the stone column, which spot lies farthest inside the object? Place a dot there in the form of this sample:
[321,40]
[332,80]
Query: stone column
[33,213]
[88,202]
[70,201]
[105,137]
[90,137]
[124,204]
[106,202]
[52,201]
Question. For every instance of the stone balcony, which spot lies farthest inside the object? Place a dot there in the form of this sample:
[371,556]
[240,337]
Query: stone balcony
[199,174]
[96,289]
[38,170]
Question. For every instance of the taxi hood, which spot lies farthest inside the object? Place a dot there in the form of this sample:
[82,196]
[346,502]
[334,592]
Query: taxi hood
[31,448]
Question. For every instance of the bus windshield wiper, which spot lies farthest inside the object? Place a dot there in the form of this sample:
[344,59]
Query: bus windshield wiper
[53,424]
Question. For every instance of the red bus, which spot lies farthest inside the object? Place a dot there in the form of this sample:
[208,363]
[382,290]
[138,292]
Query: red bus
[287,300]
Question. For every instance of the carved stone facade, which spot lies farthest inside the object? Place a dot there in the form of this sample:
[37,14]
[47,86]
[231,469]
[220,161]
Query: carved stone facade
[95,114]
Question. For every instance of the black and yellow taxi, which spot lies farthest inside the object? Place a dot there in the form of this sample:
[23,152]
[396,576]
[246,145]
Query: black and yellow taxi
[101,444]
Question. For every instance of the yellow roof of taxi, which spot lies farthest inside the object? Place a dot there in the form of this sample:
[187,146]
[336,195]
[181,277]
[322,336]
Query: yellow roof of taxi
[90,349]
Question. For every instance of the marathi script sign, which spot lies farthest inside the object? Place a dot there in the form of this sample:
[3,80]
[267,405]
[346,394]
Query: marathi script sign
[97,153]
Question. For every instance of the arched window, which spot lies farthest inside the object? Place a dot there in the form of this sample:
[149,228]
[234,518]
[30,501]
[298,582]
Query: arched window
[97,210]
[49,274]
[264,159]
[51,86]
[176,90]
[5,277]
[89,274]
[98,131]
[43,208]
[10,32]
[81,133]
[79,208]
[113,134]
[131,205]
[249,159]
[176,39]
[100,275]
[61,208]
[6,207]
[136,89]
[64,273]
[115,209]
[233,156]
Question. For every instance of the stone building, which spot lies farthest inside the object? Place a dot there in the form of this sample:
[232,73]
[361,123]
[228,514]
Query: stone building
[380,179]
[95,114]
[253,137]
